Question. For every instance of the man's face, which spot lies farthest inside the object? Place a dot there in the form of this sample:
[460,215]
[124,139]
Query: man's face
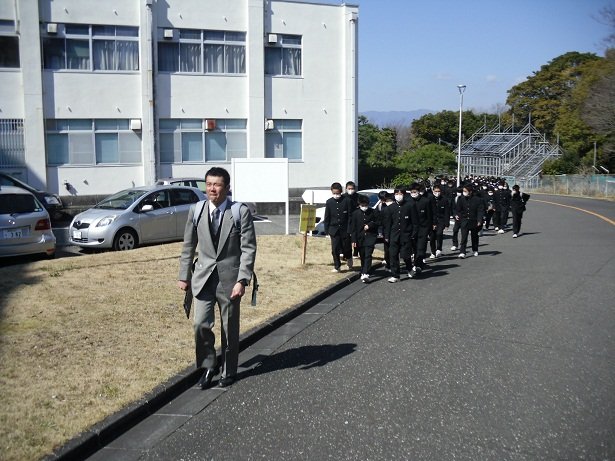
[216,189]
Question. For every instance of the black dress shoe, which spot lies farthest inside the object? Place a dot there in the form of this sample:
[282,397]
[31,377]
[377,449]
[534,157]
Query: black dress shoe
[225,382]
[205,381]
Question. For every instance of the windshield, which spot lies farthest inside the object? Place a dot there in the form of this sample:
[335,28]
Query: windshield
[122,200]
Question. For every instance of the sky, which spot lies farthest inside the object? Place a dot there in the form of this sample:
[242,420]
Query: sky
[414,53]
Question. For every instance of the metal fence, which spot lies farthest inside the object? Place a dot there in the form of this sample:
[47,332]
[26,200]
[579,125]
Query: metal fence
[586,185]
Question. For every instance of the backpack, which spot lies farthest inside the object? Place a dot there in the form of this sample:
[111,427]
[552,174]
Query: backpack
[235,207]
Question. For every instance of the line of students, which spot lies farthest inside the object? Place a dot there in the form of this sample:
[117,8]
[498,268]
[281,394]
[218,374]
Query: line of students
[409,220]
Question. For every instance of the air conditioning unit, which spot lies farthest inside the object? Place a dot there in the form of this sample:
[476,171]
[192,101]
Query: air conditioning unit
[272,39]
[52,28]
[210,124]
[168,33]
[269,125]
[135,124]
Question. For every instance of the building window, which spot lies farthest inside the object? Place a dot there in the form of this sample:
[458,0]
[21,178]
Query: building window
[284,140]
[284,57]
[202,52]
[92,142]
[198,141]
[12,148]
[91,48]
[9,45]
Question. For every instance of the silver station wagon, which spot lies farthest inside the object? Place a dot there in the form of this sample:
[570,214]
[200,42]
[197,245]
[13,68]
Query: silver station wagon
[25,227]
[133,217]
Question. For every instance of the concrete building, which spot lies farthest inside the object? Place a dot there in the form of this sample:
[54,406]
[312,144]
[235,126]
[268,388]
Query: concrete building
[97,96]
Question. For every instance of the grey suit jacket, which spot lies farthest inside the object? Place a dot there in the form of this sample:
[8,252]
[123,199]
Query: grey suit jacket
[234,257]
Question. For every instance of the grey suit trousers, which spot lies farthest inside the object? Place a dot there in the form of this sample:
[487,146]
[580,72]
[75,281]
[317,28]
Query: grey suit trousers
[204,321]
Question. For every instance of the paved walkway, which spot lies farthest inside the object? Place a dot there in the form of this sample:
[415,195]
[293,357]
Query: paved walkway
[509,355]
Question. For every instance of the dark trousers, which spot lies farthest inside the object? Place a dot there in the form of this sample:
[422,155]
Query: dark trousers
[516,219]
[500,218]
[456,234]
[436,237]
[473,231]
[488,217]
[407,251]
[365,253]
[340,244]
[420,250]
[394,252]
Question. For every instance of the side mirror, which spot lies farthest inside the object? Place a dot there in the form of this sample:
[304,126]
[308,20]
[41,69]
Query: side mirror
[147,207]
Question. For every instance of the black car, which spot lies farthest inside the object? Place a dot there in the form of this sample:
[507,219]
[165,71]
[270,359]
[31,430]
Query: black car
[51,202]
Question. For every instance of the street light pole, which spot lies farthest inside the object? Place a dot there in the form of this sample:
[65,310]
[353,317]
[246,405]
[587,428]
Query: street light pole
[461,89]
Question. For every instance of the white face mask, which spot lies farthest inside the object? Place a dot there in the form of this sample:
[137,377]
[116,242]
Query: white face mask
[363,208]
[436,194]
[414,194]
[350,191]
[465,193]
[500,187]
[399,197]
[514,191]
[389,202]
[337,196]
[490,193]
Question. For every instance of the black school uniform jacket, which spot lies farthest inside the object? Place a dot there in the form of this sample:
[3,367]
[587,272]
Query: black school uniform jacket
[358,221]
[423,214]
[441,211]
[469,211]
[337,216]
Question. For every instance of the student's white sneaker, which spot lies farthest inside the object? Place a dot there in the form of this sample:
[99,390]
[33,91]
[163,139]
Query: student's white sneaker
[515,236]
[432,256]
[365,278]
[496,229]
[476,253]
[335,270]
[501,231]
[438,253]
[453,248]
[393,280]
[462,255]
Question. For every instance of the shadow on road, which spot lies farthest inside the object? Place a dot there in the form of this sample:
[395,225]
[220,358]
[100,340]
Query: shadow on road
[303,358]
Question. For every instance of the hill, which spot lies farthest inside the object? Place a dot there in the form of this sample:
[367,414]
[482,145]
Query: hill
[395,117]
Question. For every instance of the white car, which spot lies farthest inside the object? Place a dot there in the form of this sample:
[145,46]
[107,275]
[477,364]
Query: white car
[372,194]
[25,227]
[199,183]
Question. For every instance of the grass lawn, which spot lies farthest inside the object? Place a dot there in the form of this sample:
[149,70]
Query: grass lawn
[82,337]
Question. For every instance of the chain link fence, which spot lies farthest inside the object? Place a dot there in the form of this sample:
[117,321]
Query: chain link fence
[600,186]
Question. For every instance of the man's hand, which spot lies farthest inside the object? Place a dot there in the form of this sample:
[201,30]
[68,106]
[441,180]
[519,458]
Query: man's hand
[183,285]
[238,290]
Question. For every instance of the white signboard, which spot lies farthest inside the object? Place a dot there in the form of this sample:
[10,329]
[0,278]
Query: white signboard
[260,180]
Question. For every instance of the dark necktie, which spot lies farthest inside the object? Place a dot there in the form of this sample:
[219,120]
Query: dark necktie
[215,220]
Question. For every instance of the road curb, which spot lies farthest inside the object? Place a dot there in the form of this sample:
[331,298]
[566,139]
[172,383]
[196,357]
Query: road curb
[101,434]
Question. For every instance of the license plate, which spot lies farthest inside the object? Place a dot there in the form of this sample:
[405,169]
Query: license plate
[76,235]
[16,233]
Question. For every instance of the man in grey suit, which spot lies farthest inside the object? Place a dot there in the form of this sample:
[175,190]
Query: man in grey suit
[226,254]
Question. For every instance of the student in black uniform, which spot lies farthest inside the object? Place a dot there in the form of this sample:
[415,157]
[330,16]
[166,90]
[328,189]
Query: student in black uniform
[441,221]
[351,194]
[364,224]
[490,207]
[502,206]
[336,221]
[423,224]
[392,226]
[385,199]
[456,227]
[469,213]
[517,207]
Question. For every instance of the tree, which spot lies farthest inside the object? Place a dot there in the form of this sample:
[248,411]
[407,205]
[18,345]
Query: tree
[377,147]
[428,160]
[543,94]
[443,127]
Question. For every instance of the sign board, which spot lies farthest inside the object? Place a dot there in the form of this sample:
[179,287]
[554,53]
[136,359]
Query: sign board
[316,195]
[260,180]
[307,219]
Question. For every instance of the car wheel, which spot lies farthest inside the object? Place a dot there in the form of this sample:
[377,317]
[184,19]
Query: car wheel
[125,239]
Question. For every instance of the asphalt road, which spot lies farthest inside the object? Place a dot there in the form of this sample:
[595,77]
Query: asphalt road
[506,356]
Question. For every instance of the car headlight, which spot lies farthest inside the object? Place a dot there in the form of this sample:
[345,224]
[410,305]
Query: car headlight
[106,221]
